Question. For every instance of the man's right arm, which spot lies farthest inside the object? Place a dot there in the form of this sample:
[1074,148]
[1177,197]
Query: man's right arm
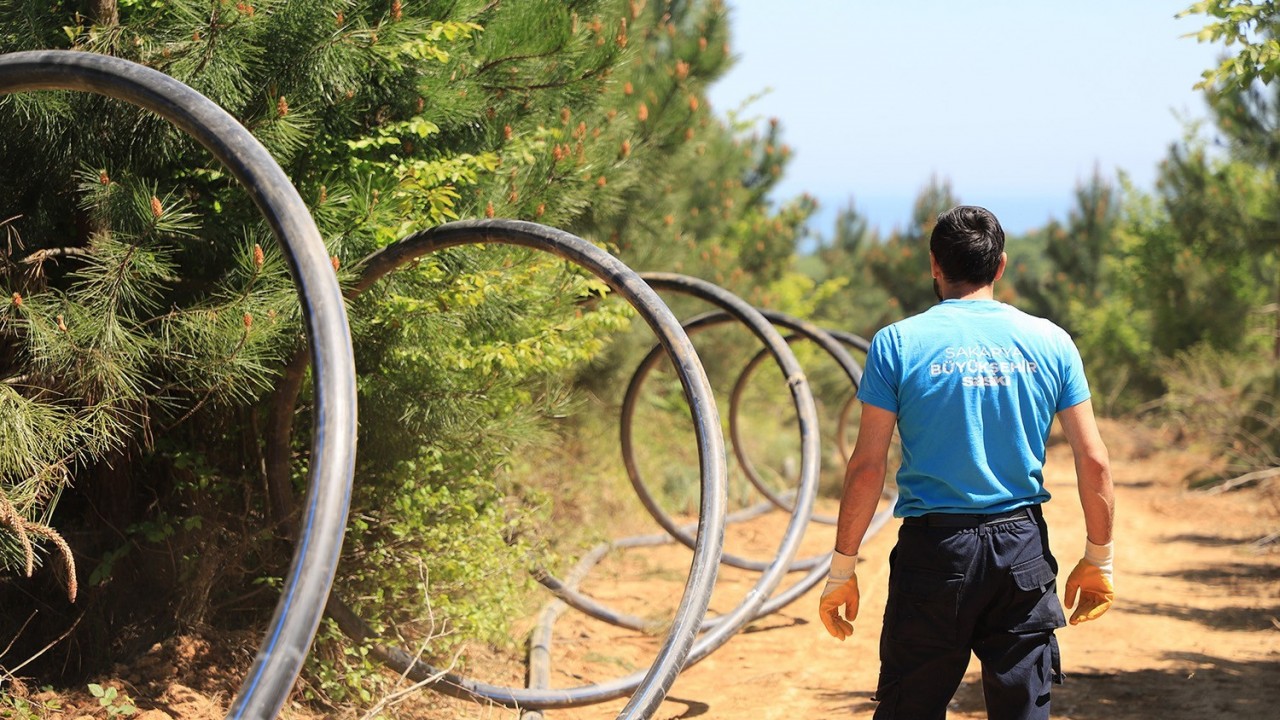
[864,477]
[1092,578]
[863,484]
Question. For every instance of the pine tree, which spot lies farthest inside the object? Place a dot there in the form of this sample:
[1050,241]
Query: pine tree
[1074,252]
[901,264]
[151,316]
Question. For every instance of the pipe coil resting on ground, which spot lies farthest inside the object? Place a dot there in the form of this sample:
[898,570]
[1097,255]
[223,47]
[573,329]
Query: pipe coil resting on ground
[690,638]
[647,689]
[567,593]
[297,615]
[806,410]
[830,341]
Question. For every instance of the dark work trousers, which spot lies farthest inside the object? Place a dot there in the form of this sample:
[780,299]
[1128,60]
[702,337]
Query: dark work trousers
[961,583]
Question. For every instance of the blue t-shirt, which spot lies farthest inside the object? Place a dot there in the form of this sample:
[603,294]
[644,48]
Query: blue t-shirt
[975,385]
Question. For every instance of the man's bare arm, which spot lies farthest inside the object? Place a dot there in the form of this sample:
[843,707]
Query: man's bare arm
[1090,587]
[1093,471]
[864,477]
[863,483]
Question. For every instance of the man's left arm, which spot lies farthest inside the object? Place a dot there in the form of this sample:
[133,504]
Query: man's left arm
[1092,580]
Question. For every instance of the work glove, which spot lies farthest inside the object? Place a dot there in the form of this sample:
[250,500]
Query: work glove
[1092,579]
[841,589]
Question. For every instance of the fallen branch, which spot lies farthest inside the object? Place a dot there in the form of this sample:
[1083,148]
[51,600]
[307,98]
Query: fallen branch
[18,634]
[403,694]
[1246,479]
[11,673]
[1266,540]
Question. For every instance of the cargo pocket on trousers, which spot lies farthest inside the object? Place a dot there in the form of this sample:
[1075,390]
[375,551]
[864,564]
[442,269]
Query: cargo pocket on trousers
[887,696]
[1037,606]
[928,608]
[1034,574]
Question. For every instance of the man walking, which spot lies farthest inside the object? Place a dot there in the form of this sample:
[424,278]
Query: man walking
[973,386]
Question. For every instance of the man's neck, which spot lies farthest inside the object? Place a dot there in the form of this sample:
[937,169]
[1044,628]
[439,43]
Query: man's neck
[981,292]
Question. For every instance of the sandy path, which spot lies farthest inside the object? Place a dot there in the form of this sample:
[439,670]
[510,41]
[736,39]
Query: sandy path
[1195,632]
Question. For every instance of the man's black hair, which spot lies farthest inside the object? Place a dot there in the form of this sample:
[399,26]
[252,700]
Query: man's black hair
[967,243]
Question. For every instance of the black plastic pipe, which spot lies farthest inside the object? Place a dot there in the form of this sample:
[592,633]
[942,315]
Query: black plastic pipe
[315,559]
[567,590]
[828,341]
[647,689]
[842,427]
[736,308]
[643,703]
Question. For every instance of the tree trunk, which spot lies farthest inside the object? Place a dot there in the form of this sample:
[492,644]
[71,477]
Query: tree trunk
[104,12]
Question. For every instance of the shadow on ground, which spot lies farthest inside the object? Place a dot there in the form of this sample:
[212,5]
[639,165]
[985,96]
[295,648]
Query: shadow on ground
[1259,619]
[858,703]
[1228,574]
[1205,540]
[774,622]
[693,708]
[1212,687]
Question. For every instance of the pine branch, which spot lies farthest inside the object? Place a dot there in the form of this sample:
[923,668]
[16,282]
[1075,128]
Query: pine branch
[21,527]
[40,256]
[597,72]
[493,64]
[480,13]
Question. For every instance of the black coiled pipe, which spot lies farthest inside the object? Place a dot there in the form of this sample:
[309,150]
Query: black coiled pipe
[647,689]
[306,587]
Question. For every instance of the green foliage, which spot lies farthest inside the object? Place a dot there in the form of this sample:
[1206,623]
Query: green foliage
[1116,349]
[115,703]
[21,708]
[1244,25]
[439,550]
[861,304]
[1172,270]
[1229,401]
[691,187]
[1208,278]
[1075,252]
[460,548]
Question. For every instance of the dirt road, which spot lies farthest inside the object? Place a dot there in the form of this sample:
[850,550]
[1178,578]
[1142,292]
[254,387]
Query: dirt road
[1195,632]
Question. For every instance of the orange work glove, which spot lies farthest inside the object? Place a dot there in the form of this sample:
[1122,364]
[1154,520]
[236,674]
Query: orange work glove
[1092,579]
[841,589]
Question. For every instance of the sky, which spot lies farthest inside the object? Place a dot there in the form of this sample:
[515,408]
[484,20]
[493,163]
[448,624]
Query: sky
[1014,102]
